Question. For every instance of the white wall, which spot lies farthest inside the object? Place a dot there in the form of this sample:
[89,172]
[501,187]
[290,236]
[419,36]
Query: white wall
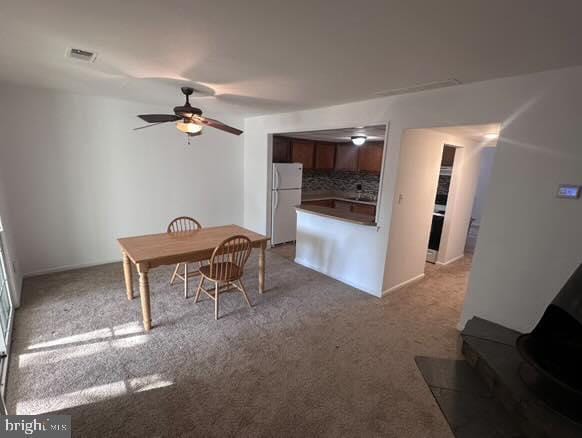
[460,200]
[485,167]
[77,177]
[413,206]
[529,241]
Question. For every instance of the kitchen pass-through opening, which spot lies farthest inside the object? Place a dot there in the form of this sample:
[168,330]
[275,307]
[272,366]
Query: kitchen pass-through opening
[332,171]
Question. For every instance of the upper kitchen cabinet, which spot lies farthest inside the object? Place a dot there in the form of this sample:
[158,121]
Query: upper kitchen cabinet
[448,156]
[324,156]
[346,157]
[281,149]
[303,152]
[370,157]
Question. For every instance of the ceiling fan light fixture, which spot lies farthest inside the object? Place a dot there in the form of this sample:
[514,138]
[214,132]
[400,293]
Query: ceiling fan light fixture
[189,119]
[188,128]
[359,140]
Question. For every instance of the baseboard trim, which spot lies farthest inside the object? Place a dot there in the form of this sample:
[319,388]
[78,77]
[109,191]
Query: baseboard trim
[403,284]
[68,268]
[454,259]
[338,278]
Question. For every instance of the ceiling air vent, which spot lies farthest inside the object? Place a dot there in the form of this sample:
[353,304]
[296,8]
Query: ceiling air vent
[420,87]
[81,55]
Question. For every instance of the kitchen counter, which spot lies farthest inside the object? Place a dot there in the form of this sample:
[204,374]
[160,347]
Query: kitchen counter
[347,216]
[346,197]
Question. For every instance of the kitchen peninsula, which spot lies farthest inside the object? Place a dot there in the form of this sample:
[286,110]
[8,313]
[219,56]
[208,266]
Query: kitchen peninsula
[336,220]
[334,242]
[334,172]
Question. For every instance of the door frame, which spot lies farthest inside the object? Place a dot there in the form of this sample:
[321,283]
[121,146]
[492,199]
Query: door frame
[4,361]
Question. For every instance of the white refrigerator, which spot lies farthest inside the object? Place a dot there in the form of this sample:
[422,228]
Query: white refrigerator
[285,196]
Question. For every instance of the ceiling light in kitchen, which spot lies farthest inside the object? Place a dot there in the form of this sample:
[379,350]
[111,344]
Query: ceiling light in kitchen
[491,136]
[359,140]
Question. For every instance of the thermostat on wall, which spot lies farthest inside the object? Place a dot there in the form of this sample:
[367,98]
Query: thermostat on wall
[568,191]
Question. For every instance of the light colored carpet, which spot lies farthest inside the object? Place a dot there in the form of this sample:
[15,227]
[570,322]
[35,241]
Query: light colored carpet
[313,357]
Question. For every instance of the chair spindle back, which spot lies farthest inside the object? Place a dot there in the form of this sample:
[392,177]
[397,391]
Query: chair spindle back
[183,224]
[228,259]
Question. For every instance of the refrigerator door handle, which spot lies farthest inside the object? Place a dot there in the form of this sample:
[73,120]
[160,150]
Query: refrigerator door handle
[276,185]
[276,200]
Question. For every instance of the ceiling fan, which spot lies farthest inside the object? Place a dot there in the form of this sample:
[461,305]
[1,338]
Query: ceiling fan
[189,119]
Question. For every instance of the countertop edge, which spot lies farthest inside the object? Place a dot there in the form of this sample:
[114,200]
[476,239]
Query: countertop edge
[316,211]
[337,198]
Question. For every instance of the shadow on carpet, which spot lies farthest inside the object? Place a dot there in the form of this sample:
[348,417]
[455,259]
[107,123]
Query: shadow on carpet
[466,402]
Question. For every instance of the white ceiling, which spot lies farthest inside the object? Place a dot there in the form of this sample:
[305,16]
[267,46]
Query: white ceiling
[265,56]
[374,133]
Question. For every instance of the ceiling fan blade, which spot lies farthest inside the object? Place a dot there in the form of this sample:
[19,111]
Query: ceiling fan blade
[159,118]
[201,120]
[150,125]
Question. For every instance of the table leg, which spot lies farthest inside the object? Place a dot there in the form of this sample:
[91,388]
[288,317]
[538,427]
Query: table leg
[262,267]
[144,293]
[128,276]
[185,280]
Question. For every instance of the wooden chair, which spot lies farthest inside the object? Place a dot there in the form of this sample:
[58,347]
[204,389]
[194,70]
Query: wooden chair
[184,224]
[225,269]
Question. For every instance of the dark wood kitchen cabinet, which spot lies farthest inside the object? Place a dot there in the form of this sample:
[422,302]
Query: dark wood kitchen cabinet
[448,156]
[370,157]
[342,205]
[346,157]
[281,150]
[303,152]
[369,210]
[324,156]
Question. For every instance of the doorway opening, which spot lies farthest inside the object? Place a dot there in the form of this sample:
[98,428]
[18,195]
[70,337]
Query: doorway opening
[442,181]
[440,206]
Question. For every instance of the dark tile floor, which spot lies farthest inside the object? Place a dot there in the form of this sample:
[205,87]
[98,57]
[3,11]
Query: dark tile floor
[490,348]
[465,400]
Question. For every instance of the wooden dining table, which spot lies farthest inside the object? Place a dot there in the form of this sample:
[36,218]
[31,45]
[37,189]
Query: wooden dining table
[153,250]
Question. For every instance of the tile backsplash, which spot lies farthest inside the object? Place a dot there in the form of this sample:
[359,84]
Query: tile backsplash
[340,181]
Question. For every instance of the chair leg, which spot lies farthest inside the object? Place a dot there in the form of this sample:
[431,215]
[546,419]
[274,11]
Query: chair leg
[185,280]
[244,292]
[174,274]
[200,284]
[216,295]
